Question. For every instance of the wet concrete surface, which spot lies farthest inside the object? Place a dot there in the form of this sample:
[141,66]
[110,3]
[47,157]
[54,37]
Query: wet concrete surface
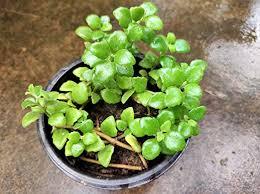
[36,39]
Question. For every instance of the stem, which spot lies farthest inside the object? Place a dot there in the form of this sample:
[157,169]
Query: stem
[97,123]
[148,110]
[120,136]
[113,141]
[143,161]
[124,166]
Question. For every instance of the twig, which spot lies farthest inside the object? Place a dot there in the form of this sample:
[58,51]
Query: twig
[97,123]
[143,161]
[148,110]
[113,141]
[120,136]
[124,166]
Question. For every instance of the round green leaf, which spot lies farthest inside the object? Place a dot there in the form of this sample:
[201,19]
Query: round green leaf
[103,73]
[171,38]
[89,59]
[165,150]
[151,149]
[72,115]
[191,102]
[144,97]
[149,8]
[89,138]
[124,57]
[84,32]
[57,120]
[111,96]
[117,41]
[136,129]
[140,84]
[193,90]
[128,115]
[100,49]
[159,44]
[154,22]
[166,126]
[29,118]
[59,138]
[136,13]
[94,21]
[124,82]
[194,74]
[97,146]
[157,101]
[182,46]
[173,97]
[185,129]
[108,126]
[78,72]
[165,115]
[148,35]
[198,113]
[198,62]
[134,32]
[149,61]
[174,141]
[167,61]
[121,125]
[127,70]
[79,93]
[122,14]
[74,137]
[104,156]
[149,125]
[77,149]
[97,35]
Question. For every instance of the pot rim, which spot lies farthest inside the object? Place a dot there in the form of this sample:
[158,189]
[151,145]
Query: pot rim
[85,179]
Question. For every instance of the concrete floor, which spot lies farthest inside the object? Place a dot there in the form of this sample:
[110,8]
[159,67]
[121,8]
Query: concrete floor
[36,39]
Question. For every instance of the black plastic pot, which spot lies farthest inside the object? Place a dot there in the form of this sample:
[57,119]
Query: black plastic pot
[58,158]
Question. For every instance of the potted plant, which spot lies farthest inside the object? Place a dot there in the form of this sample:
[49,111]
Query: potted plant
[120,117]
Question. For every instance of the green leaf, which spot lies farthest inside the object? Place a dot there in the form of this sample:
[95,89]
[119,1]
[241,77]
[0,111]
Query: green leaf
[136,129]
[171,76]
[87,75]
[74,136]
[191,102]
[132,141]
[68,86]
[68,146]
[151,149]
[98,35]
[77,149]
[174,141]
[165,115]
[171,38]
[104,156]
[59,138]
[167,61]
[127,95]
[194,74]
[185,129]
[140,84]
[159,44]
[89,138]
[108,126]
[182,46]
[149,8]
[121,125]
[165,150]
[28,102]
[80,93]
[122,14]
[93,21]
[134,32]
[56,106]
[95,98]
[149,61]
[143,98]
[160,136]
[117,41]
[38,109]
[173,97]
[193,90]
[103,73]
[79,71]
[97,146]
[90,59]
[111,96]
[100,49]
[57,120]
[148,35]
[29,118]
[198,62]
[149,125]
[85,126]
[157,101]
[106,27]
[35,91]
[84,32]
[105,19]
[166,126]
[128,115]
[72,115]
[198,113]
[124,82]
[124,57]
[154,22]
[126,70]
[136,13]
